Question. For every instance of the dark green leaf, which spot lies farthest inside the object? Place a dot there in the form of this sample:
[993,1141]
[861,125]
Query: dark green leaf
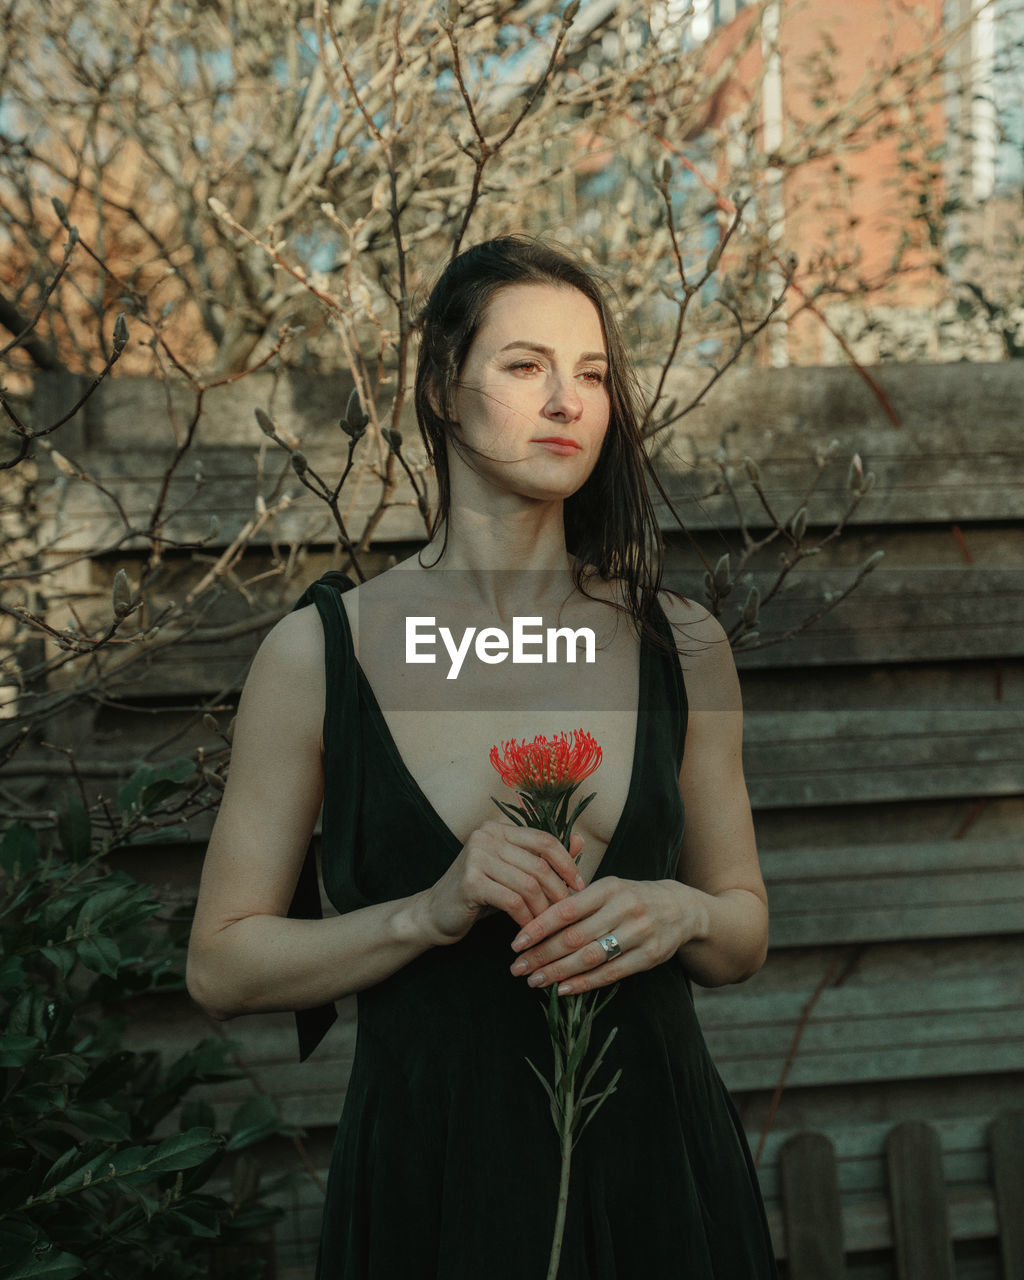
[12,973]
[74,1170]
[182,1151]
[101,1121]
[17,1050]
[62,958]
[158,835]
[516,815]
[52,1264]
[194,1220]
[102,955]
[148,786]
[579,809]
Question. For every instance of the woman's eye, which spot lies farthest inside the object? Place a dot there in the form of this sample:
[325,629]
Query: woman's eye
[594,376]
[525,366]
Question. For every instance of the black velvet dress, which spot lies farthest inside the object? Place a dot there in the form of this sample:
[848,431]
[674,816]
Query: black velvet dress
[446,1161]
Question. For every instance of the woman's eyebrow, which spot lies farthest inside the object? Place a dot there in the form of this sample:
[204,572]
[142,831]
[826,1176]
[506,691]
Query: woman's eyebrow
[549,352]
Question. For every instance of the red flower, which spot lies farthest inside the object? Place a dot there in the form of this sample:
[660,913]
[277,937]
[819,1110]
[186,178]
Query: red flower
[546,768]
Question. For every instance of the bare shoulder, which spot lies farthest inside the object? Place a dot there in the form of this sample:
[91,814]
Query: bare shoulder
[286,679]
[294,647]
[705,655]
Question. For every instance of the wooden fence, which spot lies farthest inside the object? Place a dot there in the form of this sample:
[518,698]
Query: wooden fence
[885,760]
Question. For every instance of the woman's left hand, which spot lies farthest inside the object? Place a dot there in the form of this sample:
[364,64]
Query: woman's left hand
[649,919]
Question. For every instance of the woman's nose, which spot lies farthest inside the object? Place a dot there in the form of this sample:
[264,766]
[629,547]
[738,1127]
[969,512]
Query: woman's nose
[564,402]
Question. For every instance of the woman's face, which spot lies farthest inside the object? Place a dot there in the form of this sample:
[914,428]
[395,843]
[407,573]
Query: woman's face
[533,395]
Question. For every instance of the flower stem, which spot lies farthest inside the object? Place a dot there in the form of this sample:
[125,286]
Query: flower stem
[563,1193]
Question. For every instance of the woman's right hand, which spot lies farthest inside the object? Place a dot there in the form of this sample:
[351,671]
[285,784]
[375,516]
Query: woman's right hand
[501,867]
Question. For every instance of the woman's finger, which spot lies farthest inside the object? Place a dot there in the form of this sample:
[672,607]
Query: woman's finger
[592,965]
[575,949]
[564,914]
[560,859]
[531,880]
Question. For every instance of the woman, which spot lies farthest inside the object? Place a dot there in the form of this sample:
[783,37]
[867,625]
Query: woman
[454,922]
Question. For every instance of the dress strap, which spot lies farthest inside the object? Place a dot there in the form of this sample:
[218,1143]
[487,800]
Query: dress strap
[313,1024]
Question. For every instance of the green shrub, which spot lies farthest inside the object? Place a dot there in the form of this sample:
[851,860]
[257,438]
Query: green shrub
[94,1181]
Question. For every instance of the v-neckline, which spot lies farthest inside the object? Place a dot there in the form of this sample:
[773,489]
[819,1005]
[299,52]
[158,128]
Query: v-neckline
[426,804]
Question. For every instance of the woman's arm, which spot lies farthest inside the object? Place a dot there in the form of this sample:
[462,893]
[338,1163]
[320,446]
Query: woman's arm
[714,915]
[245,955]
[718,866]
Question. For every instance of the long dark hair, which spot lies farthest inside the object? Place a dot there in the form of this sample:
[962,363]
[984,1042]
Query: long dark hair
[610,526]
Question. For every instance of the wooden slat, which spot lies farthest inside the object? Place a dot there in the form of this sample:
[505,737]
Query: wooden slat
[974,476]
[912,614]
[906,1030]
[958,457]
[959,454]
[81,518]
[876,892]
[811,1212]
[1007,1143]
[917,1192]
[846,757]
[860,1171]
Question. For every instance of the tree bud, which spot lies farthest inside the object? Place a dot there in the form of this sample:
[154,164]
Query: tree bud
[753,470]
[120,334]
[798,525]
[354,422]
[872,561]
[265,424]
[121,595]
[752,607]
[723,571]
[299,464]
[393,437]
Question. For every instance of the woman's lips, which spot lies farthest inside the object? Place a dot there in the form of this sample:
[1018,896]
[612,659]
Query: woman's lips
[559,444]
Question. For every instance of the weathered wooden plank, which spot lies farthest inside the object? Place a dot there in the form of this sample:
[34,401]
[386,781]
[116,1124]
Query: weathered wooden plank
[847,756]
[867,1227]
[917,1192]
[977,475]
[1007,1144]
[810,1208]
[895,615]
[870,1032]
[860,1160]
[870,893]
[959,454]
[80,517]
[946,463]
[146,413]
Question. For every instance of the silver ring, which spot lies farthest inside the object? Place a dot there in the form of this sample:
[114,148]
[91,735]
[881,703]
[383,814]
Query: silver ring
[610,947]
